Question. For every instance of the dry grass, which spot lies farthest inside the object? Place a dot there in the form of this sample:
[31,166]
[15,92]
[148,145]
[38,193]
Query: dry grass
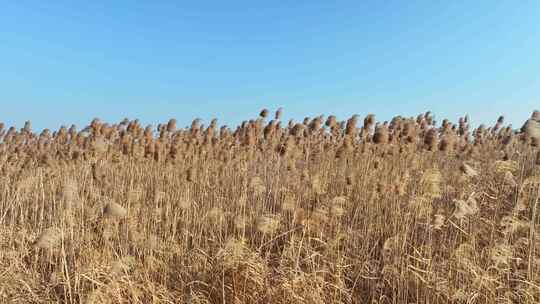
[323,211]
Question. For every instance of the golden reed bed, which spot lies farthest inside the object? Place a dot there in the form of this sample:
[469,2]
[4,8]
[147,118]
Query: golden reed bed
[323,211]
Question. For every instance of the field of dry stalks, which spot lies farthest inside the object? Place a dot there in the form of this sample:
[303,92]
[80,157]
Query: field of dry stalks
[323,211]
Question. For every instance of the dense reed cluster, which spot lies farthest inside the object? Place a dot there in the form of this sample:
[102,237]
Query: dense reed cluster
[322,211]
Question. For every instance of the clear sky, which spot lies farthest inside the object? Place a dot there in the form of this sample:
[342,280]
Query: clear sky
[64,62]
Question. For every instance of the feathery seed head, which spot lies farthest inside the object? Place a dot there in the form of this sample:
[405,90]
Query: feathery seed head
[502,166]
[114,210]
[268,224]
[264,113]
[438,221]
[431,181]
[510,180]
[468,170]
[465,208]
[216,215]
[279,113]
[49,238]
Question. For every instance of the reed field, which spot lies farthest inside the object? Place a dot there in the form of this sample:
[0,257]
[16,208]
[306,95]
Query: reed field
[412,210]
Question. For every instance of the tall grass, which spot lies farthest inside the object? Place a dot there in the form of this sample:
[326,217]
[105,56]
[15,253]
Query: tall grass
[323,211]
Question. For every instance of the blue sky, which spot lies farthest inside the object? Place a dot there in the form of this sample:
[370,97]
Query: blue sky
[63,62]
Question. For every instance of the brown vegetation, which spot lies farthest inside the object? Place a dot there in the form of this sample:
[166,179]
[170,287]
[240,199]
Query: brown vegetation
[322,211]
